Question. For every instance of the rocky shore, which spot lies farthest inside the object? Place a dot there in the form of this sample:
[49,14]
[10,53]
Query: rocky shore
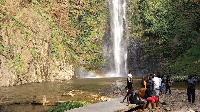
[177,101]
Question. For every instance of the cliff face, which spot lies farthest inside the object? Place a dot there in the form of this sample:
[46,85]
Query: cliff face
[38,42]
[165,36]
[26,47]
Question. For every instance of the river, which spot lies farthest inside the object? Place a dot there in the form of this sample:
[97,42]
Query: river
[19,98]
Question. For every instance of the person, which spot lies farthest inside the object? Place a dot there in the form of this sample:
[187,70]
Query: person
[191,82]
[156,83]
[143,82]
[142,91]
[168,84]
[160,81]
[130,80]
[150,98]
[150,84]
[129,96]
[162,88]
[133,99]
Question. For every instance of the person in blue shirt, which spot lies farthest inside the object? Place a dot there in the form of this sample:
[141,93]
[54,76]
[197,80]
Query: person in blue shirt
[162,88]
[191,82]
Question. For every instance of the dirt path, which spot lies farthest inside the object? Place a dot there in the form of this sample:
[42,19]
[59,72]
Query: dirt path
[113,105]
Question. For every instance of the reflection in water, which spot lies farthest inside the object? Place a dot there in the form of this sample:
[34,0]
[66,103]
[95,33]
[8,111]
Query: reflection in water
[78,90]
[88,89]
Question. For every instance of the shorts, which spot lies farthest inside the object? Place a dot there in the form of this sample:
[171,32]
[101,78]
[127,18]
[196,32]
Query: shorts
[152,99]
[137,102]
[157,92]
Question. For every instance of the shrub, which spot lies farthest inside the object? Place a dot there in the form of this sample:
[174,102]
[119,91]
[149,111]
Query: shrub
[68,106]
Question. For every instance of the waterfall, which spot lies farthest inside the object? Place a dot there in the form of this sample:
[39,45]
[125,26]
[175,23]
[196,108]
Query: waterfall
[118,28]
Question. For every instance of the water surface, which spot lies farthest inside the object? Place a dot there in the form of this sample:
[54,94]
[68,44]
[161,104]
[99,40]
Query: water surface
[18,98]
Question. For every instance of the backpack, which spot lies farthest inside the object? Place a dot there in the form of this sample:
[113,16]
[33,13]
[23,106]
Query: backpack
[170,83]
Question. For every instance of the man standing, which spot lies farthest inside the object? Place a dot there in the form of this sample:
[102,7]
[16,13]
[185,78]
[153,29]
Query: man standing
[156,85]
[130,80]
[168,85]
[191,82]
[150,84]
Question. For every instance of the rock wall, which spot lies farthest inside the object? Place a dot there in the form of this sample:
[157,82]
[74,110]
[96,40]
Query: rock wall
[26,46]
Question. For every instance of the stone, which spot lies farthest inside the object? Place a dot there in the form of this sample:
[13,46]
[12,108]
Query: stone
[167,108]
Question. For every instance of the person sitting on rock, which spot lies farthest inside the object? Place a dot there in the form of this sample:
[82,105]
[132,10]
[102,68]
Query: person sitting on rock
[142,91]
[129,96]
[134,99]
[150,98]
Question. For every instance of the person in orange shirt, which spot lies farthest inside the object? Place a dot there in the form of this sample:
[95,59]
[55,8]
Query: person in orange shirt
[142,91]
[143,82]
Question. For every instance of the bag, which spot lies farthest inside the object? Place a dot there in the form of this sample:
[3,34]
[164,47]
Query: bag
[170,83]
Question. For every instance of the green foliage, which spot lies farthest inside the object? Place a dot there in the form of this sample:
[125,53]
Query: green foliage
[2,2]
[90,22]
[76,28]
[83,47]
[18,23]
[18,64]
[3,49]
[168,29]
[68,106]
[189,63]
[33,52]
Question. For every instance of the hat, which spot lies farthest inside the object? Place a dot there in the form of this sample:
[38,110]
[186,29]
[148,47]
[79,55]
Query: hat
[189,74]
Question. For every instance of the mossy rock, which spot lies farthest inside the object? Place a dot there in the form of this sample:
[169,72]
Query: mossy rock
[68,106]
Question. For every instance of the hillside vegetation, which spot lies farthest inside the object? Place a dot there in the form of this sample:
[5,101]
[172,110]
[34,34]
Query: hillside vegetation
[45,40]
[169,34]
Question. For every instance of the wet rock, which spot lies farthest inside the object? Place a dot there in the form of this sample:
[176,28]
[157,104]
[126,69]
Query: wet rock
[167,108]
[104,98]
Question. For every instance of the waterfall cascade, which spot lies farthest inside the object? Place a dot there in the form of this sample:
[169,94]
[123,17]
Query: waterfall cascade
[119,38]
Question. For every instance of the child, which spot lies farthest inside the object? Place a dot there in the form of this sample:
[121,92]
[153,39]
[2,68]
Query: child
[162,87]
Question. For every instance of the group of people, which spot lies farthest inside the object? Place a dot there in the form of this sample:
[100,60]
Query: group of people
[152,88]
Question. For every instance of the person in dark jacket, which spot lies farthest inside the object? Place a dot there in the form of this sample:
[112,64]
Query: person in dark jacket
[191,82]
[168,85]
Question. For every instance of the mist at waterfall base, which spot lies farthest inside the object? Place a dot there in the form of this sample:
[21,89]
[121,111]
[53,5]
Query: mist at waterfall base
[115,44]
[117,49]
[82,73]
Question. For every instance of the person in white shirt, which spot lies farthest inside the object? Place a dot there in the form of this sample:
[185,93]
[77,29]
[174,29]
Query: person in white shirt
[160,82]
[130,80]
[157,83]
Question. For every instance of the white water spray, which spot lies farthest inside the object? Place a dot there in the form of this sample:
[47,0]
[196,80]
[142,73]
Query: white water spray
[118,24]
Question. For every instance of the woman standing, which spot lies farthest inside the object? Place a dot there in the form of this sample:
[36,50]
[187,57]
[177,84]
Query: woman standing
[143,82]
